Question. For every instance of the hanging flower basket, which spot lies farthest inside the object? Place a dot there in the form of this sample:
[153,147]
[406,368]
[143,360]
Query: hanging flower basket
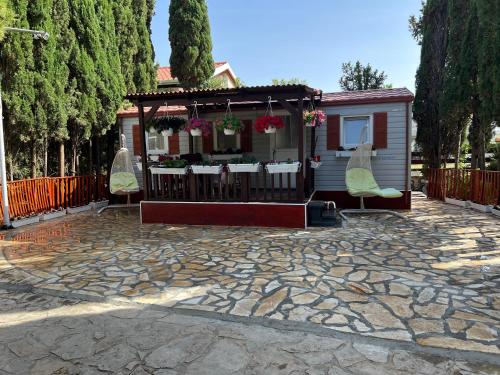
[168,132]
[314,118]
[168,125]
[315,164]
[268,124]
[198,127]
[230,124]
[283,167]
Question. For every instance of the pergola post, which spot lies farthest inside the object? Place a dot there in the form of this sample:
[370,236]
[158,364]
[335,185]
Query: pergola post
[301,149]
[144,152]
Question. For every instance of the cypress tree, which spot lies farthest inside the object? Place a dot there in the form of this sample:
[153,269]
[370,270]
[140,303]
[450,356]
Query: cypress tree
[429,81]
[18,87]
[488,65]
[189,34]
[453,104]
[127,39]
[6,16]
[144,66]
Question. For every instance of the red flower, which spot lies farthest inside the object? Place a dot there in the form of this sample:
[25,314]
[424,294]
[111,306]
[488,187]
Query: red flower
[265,122]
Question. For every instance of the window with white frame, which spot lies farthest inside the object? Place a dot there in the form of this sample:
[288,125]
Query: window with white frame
[351,130]
[157,143]
[287,137]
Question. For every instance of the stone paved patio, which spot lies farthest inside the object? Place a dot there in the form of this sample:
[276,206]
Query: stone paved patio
[46,335]
[433,280]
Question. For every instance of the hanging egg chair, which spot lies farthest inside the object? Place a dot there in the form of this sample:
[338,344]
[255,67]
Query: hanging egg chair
[122,179]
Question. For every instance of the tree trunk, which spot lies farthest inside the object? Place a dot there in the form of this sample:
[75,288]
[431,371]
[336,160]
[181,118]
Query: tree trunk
[61,159]
[33,161]
[74,161]
[457,153]
[45,158]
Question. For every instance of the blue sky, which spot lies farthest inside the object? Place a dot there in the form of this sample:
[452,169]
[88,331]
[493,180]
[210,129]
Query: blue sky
[266,39]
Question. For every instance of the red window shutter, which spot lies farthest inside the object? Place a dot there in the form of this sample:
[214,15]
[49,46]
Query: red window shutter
[332,132]
[246,136]
[173,144]
[380,130]
[136,139]
[208,141]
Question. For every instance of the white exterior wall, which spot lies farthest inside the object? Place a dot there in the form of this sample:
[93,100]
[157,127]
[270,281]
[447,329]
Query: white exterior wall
[389,166]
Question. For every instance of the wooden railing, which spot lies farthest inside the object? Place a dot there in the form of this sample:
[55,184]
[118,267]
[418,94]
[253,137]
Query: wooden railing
[481,187]
[234,187]
[41,195]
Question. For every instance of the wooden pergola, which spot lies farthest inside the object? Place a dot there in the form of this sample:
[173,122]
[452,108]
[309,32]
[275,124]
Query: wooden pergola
[292,98]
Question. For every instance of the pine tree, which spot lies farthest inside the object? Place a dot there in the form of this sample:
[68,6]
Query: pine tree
[189,34]
[144,66]
[429,81]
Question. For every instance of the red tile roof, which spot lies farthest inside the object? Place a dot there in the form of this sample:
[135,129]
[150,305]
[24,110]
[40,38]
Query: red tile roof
[162,111]
[367,96]
[164,74]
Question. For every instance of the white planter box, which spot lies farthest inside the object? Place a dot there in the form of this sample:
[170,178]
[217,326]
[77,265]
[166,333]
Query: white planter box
[315,164]
[223,157]
[251,168]
[52,215]
[479,207]
[160,170]
[348,154]
[26,221]
[495,212]
[455,202]
[206,169]
[283,167]
[75,210]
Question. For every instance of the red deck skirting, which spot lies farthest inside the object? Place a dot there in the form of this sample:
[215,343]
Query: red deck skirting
[233,214]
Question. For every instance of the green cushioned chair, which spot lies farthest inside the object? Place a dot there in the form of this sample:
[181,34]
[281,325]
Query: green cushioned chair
[361,183]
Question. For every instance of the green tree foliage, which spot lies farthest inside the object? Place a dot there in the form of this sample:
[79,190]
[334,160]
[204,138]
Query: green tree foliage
[453,111]
[6,16]
[291,81]
[429,81]
[458,80]
[18,89]
[70,86]
[488,61]
[360,77]
[144,67]
[189,34]
[127,39]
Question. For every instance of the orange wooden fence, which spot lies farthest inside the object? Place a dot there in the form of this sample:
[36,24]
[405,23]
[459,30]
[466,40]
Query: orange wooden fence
[481,187]
[40,195]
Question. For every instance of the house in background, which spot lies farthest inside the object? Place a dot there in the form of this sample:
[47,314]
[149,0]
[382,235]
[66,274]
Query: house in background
[386,112]
[223,71]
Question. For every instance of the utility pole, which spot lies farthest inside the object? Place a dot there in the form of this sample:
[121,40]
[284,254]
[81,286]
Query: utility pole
[3,172]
